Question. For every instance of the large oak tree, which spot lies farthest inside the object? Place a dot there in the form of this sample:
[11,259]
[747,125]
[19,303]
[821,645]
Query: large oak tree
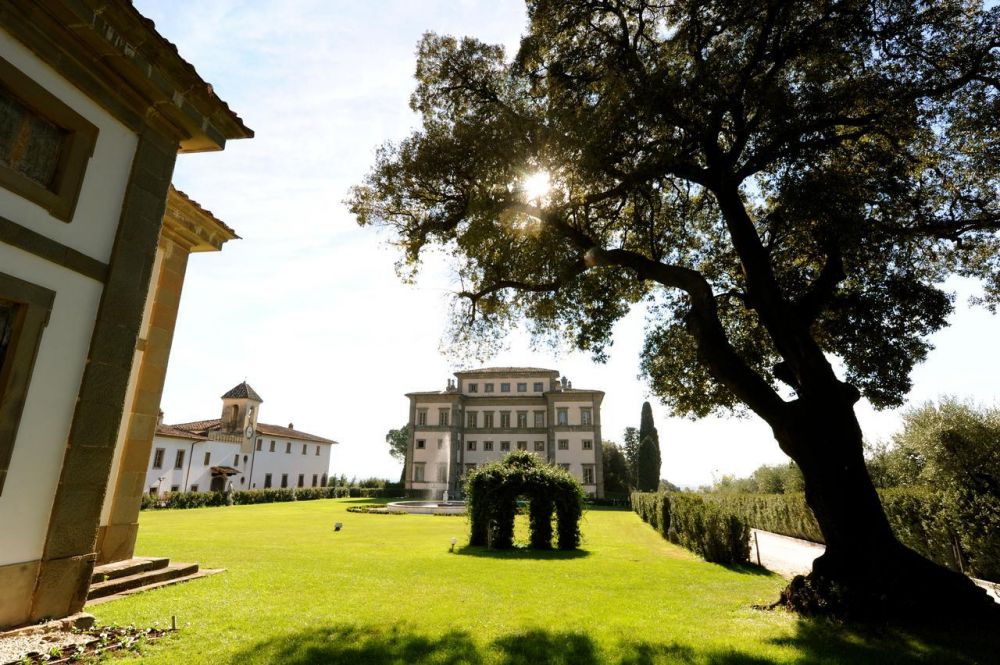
[785,184]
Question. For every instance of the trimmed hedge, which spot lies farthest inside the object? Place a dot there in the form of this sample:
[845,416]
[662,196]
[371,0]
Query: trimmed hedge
[270,495]
[706,528]
[917,516]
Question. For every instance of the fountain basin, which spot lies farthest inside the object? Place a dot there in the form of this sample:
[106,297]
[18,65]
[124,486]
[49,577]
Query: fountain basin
[429,507]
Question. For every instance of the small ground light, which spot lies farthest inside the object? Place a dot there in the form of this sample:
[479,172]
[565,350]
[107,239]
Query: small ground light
[338,526]
[173,622]
[453,541]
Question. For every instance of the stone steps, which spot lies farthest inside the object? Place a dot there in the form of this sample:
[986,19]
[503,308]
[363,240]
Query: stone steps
[143,579]
[113,571]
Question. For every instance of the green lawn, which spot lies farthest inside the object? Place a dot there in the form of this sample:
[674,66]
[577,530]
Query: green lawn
[386,589]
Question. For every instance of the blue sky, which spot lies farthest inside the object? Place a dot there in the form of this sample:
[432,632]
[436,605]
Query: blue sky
[307,308]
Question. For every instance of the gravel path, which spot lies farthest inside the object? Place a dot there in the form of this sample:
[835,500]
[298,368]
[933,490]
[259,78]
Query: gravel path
[15,647]
[790,556]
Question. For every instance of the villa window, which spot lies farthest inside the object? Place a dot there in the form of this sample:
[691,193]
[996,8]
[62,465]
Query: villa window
[505,420]
[304,448]
[505,387]
[563,444]
[317,451]
[470,445]
[471,419]
[421,444]
[588,474]
[469,468]
[488,387]
[194,488]
[175,488]
[539,446]
[488,419]
[539,419]
[315,479]
[322,479]
[488,445]
[271,449]
[588,444]
[505,446]
[440,444]
[473,387]
[302,480]
[539,387]
[418,472]
[45,145]
[288,447]
[179,460]
[522,445]
[260,444]
[442,473]
[562,416]
[267,480]
[443,417]
[522,418]
[522,387]
[564,466]
[284,480]
[422,417]
[158,458]
[236,460]
[24,313]
[586,416]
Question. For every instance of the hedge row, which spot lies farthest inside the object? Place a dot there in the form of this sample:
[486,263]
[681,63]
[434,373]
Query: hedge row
[706,528]
[917,516]
[270,495]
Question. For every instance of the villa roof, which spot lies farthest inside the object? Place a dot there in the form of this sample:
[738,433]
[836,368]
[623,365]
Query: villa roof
[176,432]
[509,370]
[243,391]
[203,427]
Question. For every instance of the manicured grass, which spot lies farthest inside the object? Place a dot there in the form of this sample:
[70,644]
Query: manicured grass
[385,589]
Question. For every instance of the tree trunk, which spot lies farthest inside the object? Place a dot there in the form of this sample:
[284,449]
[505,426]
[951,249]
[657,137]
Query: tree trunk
[865,573]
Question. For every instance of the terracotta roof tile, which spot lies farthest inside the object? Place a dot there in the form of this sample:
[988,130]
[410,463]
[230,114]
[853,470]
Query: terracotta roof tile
[243,391]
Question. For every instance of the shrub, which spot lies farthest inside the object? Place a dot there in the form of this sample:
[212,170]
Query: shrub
[706,528]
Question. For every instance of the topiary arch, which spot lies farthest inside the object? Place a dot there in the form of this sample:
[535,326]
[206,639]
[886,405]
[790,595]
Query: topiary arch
[491,496]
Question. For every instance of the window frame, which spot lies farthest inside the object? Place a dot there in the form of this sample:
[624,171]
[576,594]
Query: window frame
[538,387]
[158,455]
[74,157]
[34,304]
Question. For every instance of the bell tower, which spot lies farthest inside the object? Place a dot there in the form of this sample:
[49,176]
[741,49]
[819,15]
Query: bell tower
[240,407]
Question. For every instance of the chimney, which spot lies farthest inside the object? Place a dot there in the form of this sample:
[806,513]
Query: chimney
[291,425]
[159,418]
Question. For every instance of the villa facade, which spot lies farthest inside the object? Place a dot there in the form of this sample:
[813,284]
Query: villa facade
[235,451]
[95,106]
[486,413]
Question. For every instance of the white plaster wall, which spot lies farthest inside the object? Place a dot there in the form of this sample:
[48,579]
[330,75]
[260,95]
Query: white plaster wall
[280,462]
[26,501]
[431,456]
[92,230]
[170,475]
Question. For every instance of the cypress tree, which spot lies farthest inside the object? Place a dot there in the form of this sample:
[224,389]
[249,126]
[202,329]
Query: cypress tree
[648,479]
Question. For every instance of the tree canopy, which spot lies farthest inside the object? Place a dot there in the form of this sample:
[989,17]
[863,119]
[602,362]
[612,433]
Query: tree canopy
[780,183]
[778,166]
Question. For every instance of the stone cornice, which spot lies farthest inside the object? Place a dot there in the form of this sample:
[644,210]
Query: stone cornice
[191,226]
[112,53]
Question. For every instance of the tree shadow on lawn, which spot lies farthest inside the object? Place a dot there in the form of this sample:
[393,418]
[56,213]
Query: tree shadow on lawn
[363,645]
[816,642]
[521,552]
[747,569]
[823,641]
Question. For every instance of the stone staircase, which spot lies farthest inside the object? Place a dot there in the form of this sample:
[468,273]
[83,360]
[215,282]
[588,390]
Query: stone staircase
[123,578]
